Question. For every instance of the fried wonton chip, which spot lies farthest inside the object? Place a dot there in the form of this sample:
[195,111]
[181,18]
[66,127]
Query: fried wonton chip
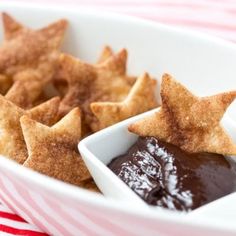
[25,93]
[190,122]
[112,79]
[60,82]
[18,95]
[87,83]
[5,83]
[90,185]
[141,98]
[53,150]
[30,55]
[11,27]
[12,144]
[106,54]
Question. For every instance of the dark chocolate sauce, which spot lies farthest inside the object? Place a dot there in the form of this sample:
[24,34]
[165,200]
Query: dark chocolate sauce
[164,175]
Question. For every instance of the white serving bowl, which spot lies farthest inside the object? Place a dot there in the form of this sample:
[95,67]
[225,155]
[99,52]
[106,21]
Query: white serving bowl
[204,64]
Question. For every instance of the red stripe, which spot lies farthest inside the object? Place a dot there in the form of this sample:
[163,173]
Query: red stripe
[25,194]
[186,3]
[189,22]
[11,230]
[18,204]
[11,216]
[142,4]
[74,221]
[104,222]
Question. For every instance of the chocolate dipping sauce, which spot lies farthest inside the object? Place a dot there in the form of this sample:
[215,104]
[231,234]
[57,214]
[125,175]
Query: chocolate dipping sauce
[164,175]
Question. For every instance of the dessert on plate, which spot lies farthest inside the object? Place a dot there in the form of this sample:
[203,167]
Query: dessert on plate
[50,100]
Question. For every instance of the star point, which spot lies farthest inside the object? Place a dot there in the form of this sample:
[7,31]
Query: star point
[12,144]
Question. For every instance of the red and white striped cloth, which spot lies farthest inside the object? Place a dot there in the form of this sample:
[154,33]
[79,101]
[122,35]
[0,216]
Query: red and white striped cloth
[12,224]
[216,17]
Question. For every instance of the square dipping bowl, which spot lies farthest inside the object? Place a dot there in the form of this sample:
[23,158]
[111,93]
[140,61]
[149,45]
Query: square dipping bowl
[204,64]
[100,148]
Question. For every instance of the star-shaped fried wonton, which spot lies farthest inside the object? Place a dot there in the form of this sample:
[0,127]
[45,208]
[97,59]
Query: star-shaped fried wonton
[30,55]
[5,83]
[190,122]
[107,52]
[106,81]
[53,150]
[12,144]
[141,98]
[19,93]
[60,82]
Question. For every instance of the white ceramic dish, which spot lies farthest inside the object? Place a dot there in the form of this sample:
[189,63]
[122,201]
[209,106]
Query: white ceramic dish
[115,141]
[204,64]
